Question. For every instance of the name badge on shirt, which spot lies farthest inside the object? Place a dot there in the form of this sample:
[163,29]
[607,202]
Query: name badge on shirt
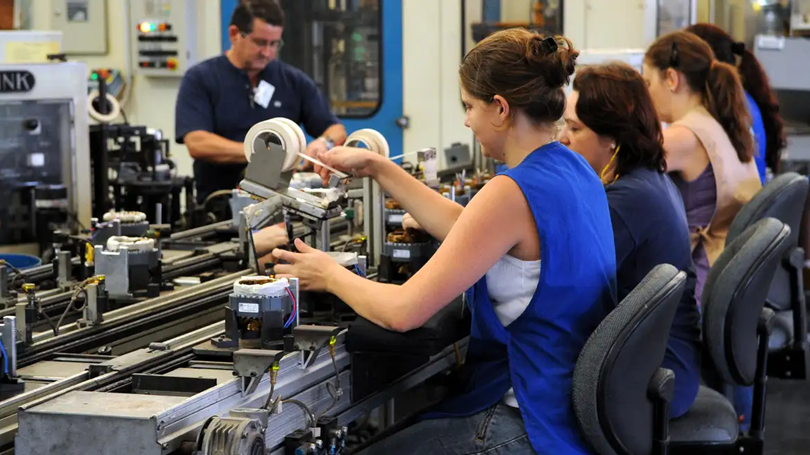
[263,94]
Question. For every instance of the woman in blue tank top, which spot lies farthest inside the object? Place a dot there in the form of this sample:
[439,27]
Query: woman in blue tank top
[549,208]
[611,121]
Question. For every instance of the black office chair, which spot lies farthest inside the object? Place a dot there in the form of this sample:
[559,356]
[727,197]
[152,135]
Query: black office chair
[619,387]
[736,327]
[784,199]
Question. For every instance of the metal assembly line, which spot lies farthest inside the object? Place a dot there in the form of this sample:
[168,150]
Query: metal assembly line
[153,339]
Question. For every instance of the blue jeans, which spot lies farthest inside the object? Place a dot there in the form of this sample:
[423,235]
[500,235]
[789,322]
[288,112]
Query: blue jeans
[497,430]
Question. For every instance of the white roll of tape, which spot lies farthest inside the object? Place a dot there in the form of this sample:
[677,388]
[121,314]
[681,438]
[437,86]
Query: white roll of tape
[261,285]
[372,139]
[115,108]
[124,217]
[302,139]
[287,134]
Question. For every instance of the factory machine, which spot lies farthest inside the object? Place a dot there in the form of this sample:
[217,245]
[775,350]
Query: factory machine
[43,115]
[271,377]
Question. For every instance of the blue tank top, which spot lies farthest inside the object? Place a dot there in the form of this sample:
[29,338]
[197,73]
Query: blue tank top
[537,353]
[758,130]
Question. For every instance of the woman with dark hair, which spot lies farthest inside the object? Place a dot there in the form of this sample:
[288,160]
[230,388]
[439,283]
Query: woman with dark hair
[610,120]
[762,104]
[529,323]
[709,147]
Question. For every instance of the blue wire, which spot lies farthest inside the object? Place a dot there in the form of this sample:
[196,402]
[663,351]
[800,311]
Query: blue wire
[292,313]
[359,272]
[5,357]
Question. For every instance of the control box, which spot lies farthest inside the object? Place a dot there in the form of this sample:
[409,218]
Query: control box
[164,36]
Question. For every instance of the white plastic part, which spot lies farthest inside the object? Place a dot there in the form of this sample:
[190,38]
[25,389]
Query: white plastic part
[124,217]
[372,139]
[289,134]
[131,243]
[115,108]
[276,288]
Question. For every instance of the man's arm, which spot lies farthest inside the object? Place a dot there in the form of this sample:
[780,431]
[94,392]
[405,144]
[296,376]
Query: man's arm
[194,123]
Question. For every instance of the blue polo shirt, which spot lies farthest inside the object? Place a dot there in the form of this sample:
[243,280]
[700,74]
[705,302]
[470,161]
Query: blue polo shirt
[649,228]
[216,96]
[758,130]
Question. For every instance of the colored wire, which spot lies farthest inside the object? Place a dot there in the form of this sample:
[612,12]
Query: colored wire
[359,272]
[292,311]
[5,357]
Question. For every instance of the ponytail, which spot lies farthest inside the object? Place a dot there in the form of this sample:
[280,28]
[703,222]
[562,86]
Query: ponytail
[725,100]
[756,83]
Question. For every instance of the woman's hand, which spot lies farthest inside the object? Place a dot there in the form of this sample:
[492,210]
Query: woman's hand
[409,223]
[360,162]
[312,267]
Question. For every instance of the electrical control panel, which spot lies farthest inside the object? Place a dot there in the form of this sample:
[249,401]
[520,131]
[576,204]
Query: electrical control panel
[164,36]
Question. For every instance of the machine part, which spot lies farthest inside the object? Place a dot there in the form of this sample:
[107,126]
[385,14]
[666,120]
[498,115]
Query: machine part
[139,244]
[95,306]
[310,339]
[264,213]
[27,313]
[8,341]
[255,313]
[127,271]
[231,436]
[251,364]
[164,40]
[64,264]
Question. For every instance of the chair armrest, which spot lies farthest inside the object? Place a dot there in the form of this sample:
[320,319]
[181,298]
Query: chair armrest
[662,386]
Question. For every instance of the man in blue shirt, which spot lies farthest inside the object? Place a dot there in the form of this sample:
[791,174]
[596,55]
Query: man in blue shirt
[221,98]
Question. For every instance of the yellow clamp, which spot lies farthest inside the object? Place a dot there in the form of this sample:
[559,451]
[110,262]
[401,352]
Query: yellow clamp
[333,341]
[28,287]
[89,253]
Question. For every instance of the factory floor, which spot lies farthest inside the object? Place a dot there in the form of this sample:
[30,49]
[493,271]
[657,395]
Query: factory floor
[787,418]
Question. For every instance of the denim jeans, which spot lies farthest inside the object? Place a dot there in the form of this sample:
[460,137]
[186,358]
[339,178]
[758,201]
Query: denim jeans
[497,430]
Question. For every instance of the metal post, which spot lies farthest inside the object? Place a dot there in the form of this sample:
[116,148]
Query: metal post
[64,274]
[377,217]
[159,213]
[388,413]
[326,235]
[362,264]
[92,315]
[4,292]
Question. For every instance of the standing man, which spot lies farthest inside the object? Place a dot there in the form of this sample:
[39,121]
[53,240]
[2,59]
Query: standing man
[221,98]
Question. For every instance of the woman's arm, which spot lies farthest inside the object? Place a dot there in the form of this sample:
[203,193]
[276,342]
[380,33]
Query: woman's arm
[478,240]
[435,213]
[681,145]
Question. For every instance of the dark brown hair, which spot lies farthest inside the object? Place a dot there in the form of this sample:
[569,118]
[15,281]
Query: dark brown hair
[527,69]
[717,82]
[614,102]
[754,81]
[248,10]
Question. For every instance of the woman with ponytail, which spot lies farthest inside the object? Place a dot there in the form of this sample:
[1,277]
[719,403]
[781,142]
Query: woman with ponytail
[708,144]
[762,104]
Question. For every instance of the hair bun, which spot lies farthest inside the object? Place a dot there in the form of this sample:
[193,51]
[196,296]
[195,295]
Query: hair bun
[554,58]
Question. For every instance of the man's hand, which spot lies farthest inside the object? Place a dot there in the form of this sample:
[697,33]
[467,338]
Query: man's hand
[270,238]
[315,148]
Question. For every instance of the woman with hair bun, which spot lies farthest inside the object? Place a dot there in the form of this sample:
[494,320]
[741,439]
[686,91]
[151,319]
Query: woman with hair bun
[709,147]
[610,120]
[767,123]
[531,245]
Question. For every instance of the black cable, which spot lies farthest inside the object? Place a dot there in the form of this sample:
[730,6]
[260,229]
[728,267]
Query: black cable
[310,416]
[69,306]
[124,115]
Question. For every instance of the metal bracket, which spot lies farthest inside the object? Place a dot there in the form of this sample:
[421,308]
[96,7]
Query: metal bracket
[310,339]
[251,364]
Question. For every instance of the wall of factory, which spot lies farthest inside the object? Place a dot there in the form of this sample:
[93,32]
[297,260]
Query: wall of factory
[152,99]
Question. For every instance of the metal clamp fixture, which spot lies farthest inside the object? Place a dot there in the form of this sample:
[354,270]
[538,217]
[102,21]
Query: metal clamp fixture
[251,364]
[310,339]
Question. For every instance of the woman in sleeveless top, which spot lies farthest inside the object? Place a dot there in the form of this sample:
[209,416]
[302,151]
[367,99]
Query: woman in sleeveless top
[610,120]
[529,323]
[708,142]
[768,126]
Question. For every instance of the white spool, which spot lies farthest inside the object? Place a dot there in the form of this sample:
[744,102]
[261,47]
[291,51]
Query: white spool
[115,108]
[372,138]
[287,132]
[276,288]
[302,139]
